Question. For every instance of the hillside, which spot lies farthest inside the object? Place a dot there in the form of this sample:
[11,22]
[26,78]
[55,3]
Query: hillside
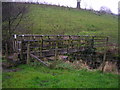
[47,19]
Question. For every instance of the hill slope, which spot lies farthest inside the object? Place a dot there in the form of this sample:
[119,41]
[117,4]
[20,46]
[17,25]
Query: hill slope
[60,20]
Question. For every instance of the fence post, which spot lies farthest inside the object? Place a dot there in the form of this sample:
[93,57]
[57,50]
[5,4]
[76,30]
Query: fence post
[68,46]
[71,42]
[41,45]
[105,52]
[15,43]
[49,40]
[21,52]
[56,49]
[6,47]
[92,43]
[79,42]
[28,53]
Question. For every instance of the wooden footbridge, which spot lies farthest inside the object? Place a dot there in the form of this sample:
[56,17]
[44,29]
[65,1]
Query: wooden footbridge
[40,46]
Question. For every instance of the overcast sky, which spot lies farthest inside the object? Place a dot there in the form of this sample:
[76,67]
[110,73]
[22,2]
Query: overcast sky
[95,4]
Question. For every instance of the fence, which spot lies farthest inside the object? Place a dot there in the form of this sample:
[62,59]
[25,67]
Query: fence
[40,46]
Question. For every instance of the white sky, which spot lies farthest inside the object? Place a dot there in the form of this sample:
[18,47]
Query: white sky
[95,4]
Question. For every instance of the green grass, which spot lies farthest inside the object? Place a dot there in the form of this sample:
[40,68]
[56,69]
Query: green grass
[41,77]
[59,20]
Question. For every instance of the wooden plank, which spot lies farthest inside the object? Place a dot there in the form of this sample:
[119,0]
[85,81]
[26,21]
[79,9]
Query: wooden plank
[30,41]
[29,35]
[33,56]
[100,40]
[101,45]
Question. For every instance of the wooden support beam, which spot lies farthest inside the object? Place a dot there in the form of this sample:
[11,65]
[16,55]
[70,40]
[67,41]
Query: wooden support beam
[92,42]
[41,46]
[71,41]
[21,52]
[49,40]
[6,53]
[28,54]
[105,52]
[33,56]
[56,50]
[79,41]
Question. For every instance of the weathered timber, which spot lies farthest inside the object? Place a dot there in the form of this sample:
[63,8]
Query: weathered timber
[105,52]
[28,54]
[21,52]
[41,46]
[33,56]
[54,45]
[56,51]
[6,47]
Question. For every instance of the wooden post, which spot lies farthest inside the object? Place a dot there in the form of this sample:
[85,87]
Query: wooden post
[105,52]
[56,50]
[92,42]
[41,46]
[6,48]
[21,52]
[49,40]
[92,47]
[15,43]
[70,42]
[78,46]
[50,43]
[68,46]
[28,53]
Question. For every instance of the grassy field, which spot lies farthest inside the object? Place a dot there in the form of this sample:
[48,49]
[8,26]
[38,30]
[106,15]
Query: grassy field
[47,19]
[29,76]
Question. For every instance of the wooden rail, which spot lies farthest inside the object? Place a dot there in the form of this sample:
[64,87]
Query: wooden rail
[48,45]
[33,56]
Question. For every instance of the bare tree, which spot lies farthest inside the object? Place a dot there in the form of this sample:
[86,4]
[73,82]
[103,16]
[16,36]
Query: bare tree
[12,15]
